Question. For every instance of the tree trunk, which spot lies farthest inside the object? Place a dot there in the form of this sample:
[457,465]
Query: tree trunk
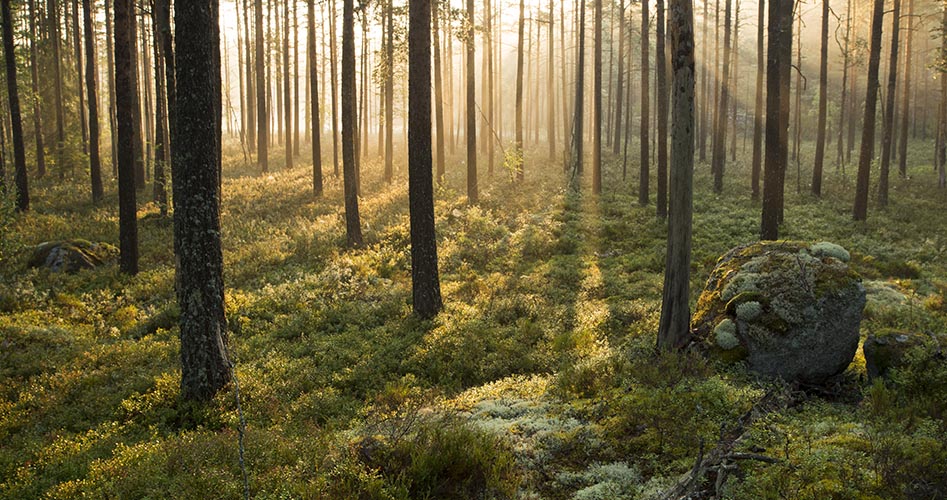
[471,132]
[389,91]
[287,87]
[619,86]
[295,78]
[735,86]
[674,325]
[250,86]
[661,70]
[860,210]
[705,102]
[263,122]
[425,284]
[645,102]
[125,99]
[353,228]
[95,168]
[52,13]
[77,43]
[840,145]
[577,119]
[906,95]
[19,152]
[438,92]
[823,83]
[138,146]
[778,67]
[205,368]
[720,133]
[758,116]
[518,145]
[162,141]
[597,101]
[334,82]
[550,89]
[37,102]
[314,102]
[888,125]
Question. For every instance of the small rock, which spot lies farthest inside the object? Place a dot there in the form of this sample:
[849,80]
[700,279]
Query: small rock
[70,256]
[887,349]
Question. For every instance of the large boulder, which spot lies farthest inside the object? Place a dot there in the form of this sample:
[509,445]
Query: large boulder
[70,256]
[789,309]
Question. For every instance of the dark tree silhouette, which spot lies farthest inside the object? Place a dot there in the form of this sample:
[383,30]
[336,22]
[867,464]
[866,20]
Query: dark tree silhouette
[823,84]
[95,167]
[353,228]
[125,100]
[19,153]
[778,67]
[314,101]
[860,210]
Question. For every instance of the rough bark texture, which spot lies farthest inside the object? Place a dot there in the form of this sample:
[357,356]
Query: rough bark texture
[204,365]
[619,92]
[438,93]
[353,228]
[674,325]
[906,94]
[314,101]
[95,166]
[124,101]
[19,152]
[758,116]
[662,91]
[425,283]
[719,157]
[52,13]
[778,66]
[867,152]
[597,101]
[823,83]
[579,116]
[888,126]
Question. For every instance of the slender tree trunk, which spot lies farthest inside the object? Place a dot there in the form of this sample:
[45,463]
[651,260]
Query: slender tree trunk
[906,95]
[162,141]
[735,86]
[888,125]
[840,145]
[80,81]
[758,116]
[137,142]
[296,100]
[287,88]
[661,70]
[619,86]
[577,119]
[597,101]
[674,325]
[438,92]
[250,86]
[95,168]
[860,210]
[19,151]
[353,228]
[314,102]
[334,81]
[518,146]
[389,91]
[778,68]
[705,103]
[719,158]
[263,121]
[110,60]
[823,84]
[125,100]
[645,102]
[37,104]
[486,86]
[471,131]
[550,89]
[205,368]
[52,13]
[425,284]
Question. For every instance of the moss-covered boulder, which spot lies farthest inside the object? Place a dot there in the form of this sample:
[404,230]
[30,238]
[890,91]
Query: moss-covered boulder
[789,309]
[888,349]
[70,256]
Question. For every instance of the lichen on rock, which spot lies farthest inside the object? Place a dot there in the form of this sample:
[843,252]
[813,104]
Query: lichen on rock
[793,309]
[71,256]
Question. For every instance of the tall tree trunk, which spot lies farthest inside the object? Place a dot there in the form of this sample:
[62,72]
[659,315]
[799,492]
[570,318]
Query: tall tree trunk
[125,99]
[597,101]
[205,368]
[705,102]
[295,5]
[162,141]
[645,102]
[250,86]
[486,86]
[110,60]
[137,142]
[735,85]
[19,151]
[860,210]
[906,95]
[719,158]
[263,121]
[778,67]
[95,168]
[674,325]
[661,70]
[438,92]
[77,42]
[518,146]
[840,145]
[550,89]
[425,284]
[314,102]
[471,131]
[619,92]
[287,87]
[37,104]
[52,13]
[334,81]
[758,116]
[823,84]
[577,119]
[353,228]
[888,125]
[389,91]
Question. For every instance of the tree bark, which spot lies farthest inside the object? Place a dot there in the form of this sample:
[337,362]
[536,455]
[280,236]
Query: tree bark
[425,284]
[438,92]
[95,167]
[518,146]
[577,119]
[37,102]
[125,99]
[758,116]
[314,102]
[661,70]
[778,67]
[263,125]
[389,91]
[645,102]
[674,325]
[353,228]
[597,101]
[906,95]
[619,86]
[287,88]
[471,131]
[52,13]
[19,151]
[77,42]
[205,368]
[888,125]
[866,154]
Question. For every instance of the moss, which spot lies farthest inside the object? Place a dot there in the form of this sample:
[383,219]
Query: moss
[749,311]
[725,334]
[827,249]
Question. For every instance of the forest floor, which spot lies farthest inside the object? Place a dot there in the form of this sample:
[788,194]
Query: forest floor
[538,380]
